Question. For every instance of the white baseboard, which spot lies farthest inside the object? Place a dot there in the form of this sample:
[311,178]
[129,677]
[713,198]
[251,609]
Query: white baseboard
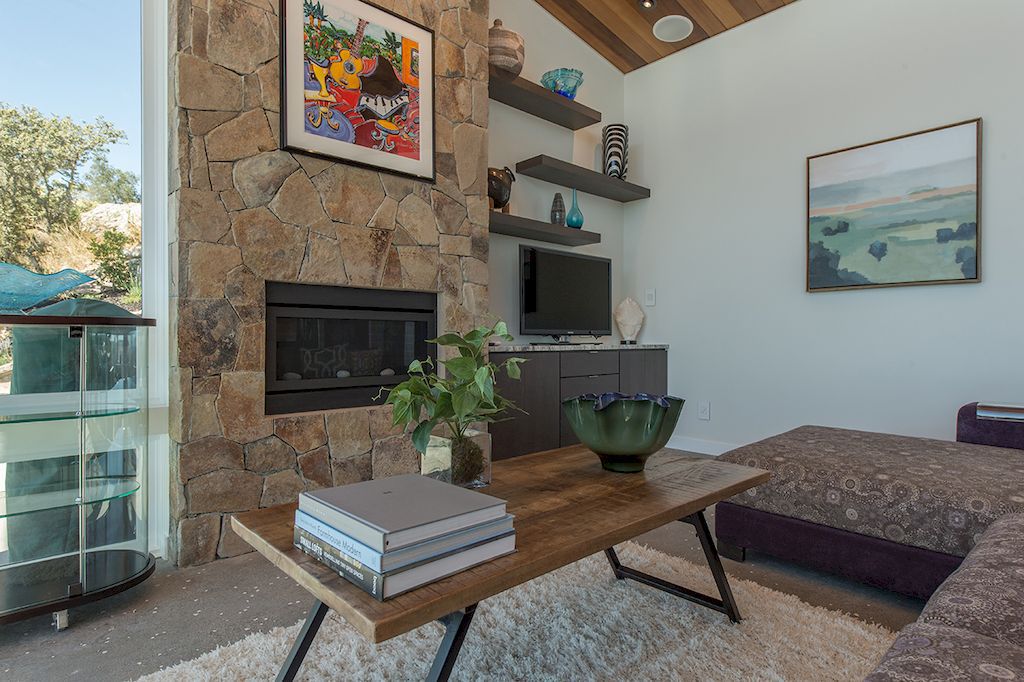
[704,447]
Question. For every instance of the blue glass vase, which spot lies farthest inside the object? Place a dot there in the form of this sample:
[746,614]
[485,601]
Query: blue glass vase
[574,218]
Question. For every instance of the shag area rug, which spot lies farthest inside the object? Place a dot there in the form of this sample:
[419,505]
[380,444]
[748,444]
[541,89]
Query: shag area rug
[579,623]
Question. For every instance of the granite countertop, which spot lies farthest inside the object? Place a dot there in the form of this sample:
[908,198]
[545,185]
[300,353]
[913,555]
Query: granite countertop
[527,348]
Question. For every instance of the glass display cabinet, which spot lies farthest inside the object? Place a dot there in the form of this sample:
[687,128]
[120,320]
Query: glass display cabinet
[73,459]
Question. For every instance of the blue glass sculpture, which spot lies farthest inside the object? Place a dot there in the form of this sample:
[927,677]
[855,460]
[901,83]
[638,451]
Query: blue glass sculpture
[564,82]
[22,289]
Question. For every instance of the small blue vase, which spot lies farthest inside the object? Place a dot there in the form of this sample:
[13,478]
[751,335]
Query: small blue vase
[574,218]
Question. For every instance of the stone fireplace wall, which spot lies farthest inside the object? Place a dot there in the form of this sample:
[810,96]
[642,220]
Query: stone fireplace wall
[244,211]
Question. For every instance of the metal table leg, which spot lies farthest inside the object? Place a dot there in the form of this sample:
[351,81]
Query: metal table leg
[455,627]
[725,604]
[309,629]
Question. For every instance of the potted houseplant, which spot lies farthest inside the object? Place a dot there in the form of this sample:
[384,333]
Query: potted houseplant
[445,408]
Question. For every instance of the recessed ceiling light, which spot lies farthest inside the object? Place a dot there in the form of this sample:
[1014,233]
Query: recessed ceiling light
[647,4]
[673,28]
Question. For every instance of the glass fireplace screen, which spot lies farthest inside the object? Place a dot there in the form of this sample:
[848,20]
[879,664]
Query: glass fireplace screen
[318,348]
[330,347]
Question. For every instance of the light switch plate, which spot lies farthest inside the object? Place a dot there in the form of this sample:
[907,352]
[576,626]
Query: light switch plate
[704,410]
[651,298]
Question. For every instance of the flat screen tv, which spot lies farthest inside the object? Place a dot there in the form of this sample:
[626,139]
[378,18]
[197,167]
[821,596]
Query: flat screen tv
[562,294]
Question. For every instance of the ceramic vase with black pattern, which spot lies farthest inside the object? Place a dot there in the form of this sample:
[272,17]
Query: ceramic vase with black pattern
[615,140]
[558,210]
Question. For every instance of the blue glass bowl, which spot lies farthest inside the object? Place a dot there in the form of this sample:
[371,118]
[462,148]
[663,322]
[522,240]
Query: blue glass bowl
[564,82]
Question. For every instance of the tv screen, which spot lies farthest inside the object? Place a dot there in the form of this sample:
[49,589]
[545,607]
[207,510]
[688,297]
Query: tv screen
[563,293]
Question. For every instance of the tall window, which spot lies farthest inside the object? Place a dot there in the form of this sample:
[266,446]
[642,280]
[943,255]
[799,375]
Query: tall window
[70,169]
[71,148]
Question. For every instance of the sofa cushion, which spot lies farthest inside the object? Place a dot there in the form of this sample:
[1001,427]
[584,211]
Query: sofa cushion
[986,594]
[926,652]
[1001,545]
[932,494]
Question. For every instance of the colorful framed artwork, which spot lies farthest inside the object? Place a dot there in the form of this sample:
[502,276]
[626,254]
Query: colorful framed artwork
[357,86]
[898,212]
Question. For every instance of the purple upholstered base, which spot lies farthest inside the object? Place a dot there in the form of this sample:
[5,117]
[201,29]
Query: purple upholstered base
[891,566]
[970,429]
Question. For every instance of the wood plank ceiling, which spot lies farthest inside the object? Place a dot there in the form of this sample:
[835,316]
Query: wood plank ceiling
[621,30]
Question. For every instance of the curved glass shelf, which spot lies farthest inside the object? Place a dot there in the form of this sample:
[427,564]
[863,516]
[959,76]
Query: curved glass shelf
[61,416]
[96,490]
[42,586]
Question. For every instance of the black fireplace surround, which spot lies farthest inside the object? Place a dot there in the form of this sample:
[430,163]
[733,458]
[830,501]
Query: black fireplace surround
[330,347]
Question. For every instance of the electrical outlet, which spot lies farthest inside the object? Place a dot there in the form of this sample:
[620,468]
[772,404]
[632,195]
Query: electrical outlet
[651,298]
[704,410]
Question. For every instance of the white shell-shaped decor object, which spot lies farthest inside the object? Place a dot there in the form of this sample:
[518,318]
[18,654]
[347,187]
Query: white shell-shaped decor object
[387,372]
[291,376]
[629,318]
[343,374]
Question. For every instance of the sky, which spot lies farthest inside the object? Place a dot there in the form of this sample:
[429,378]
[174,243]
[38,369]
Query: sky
[77,58]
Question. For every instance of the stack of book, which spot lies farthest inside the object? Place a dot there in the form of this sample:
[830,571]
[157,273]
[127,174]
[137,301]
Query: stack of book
[392,535]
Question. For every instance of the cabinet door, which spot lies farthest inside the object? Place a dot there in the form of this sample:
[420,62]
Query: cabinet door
[589,362]
[536,392]
[643,371]
[572,387]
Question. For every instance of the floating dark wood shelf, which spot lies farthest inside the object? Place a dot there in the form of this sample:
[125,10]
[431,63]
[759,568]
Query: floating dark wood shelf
[583,179]
[537,100]
[526,228]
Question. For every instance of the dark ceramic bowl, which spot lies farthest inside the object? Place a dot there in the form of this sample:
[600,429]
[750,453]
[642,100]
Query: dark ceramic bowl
[499,185]
[623,430]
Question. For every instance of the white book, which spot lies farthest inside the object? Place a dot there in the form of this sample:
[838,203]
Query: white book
[381,562]
[403,581]
[390,513]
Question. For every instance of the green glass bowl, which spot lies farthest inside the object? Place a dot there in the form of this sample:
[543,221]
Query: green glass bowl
[627,430]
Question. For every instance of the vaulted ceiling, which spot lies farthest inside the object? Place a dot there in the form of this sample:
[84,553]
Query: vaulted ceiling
[621,30]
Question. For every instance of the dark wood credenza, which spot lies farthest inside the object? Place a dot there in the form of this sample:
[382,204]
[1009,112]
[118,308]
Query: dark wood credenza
[551,376]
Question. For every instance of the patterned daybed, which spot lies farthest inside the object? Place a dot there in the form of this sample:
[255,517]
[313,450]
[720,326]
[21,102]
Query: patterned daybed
[973,626]
[892,511]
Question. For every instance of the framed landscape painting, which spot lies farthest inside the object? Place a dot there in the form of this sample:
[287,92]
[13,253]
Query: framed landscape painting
[898,212]
[357,85]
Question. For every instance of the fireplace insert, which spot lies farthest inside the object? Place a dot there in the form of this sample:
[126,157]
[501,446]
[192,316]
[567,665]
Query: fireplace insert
[330,347]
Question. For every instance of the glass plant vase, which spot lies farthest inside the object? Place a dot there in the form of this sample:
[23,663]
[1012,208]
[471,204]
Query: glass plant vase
[464,461]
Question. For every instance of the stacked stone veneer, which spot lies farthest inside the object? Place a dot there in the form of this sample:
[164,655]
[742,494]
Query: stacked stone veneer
[244,211]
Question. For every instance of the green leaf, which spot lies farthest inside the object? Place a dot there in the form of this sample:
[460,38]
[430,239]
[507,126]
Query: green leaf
[485,382]
[453,340]
[415,367]
[402,414]
[442,407]
[417,386]
[500,328]
[461,368]
[421,435]
[512,367]
[477,337]
[465,402]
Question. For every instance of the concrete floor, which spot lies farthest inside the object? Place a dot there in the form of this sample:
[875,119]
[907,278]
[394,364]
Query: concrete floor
[179,614]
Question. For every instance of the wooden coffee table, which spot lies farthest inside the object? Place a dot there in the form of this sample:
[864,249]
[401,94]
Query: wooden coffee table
[566,507]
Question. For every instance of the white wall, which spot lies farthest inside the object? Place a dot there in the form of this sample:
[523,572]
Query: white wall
[515,136]
[720,133]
